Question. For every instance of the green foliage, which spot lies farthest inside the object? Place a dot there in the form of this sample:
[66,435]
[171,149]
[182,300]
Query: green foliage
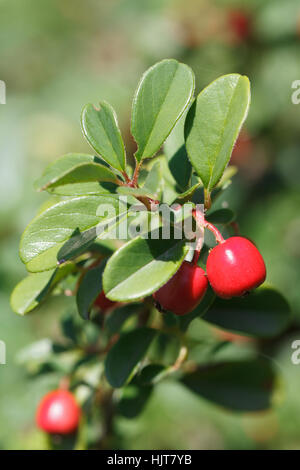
[101,130]
[142,266]
[213,124]
[126,354]
[163,93]
[73,169]
[88,290]
[32,290]
[49,231]
[72,247]
[263,313]
[240,385]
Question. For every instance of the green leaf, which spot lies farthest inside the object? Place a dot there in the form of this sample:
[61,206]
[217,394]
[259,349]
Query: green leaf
[220,216]
[84,189]
[263,313]
[135,192]
[189,192]
[32,290]
[126,354]
[133,400]
[114,320]
[150,374]
[141,267]
[213,124]
[89,289]
[153,182]
[163,94]
[240,386]
[44,237]
[101,130]
[73,169]
[175,151]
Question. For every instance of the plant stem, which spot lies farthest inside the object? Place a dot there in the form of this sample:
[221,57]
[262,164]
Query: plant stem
[134,180]
[200,219]
[126,177]
[207,199]
[218,236]
[183,353]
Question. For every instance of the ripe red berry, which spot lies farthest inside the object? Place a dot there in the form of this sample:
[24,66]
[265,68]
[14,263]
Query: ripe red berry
[235,267]
[58,413]
[103,303]
[183,292]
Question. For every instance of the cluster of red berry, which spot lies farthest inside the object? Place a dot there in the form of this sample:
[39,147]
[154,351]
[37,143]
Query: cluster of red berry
[234,267]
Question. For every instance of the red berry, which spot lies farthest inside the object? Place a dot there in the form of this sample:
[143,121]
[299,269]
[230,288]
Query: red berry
[58,413]
[235,267]
[240,24]
[183,292]
[103,302]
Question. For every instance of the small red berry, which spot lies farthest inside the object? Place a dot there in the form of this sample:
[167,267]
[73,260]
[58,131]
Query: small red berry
[235,267]
[103,303]
[240,24]
[183,292]
[58,413]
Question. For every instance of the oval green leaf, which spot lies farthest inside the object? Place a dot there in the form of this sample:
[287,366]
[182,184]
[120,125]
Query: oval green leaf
[89,289]
[213,124]
[45,236]
[220,216]
[32,290]
[141,267]
[163,94]
[126,354]
[240,386]
[175,151]
[101,130]
[263,313]
[72,169]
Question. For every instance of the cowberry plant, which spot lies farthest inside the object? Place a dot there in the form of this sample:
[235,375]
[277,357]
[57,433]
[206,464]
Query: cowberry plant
[144,309]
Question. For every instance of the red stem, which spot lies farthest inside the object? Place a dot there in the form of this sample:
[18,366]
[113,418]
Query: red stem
[126,177]
[218,236]
[200,219]
[136,174]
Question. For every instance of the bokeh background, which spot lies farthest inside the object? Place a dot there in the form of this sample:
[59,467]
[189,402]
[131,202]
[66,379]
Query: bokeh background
[57,55]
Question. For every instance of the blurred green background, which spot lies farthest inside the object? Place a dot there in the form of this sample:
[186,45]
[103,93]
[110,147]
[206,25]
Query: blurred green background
[57,55]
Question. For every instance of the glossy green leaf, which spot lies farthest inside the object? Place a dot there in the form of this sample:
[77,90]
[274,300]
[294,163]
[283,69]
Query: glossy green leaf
[220,216]
[32,290]
[153,182]
[72,169]
[89,289]
[84,189]
[141,267]
[189,192]
[123,357]
[135,192]
[239,385]
[163,94]
[213,124]
[45,236]
[101,130]
[263,313]
[175,151]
